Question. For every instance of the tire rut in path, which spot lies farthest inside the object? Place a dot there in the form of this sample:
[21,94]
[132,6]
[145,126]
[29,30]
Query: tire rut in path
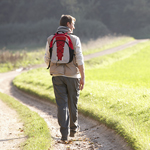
[11,133]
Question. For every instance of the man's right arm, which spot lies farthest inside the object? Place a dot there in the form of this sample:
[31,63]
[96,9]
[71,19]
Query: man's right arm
[47,54]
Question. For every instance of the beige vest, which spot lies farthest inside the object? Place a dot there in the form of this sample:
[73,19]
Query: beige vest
[69,69]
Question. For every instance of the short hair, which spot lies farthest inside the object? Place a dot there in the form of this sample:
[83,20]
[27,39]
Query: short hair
[66,18]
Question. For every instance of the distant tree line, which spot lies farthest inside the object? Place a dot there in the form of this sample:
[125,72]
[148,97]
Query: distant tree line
[33,20]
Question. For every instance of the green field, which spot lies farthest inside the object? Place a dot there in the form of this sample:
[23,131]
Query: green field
[116,93]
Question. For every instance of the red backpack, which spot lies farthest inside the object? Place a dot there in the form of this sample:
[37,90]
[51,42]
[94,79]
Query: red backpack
[61,49]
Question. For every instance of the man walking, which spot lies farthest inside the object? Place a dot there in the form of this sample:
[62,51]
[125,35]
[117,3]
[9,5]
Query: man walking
[68,79]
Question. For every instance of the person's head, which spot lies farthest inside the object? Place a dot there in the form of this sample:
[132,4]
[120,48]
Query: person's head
[67,20]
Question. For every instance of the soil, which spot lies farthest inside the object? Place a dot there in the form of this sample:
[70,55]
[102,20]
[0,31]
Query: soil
[92,135]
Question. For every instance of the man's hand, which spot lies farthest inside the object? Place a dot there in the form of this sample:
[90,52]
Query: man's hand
[82,80]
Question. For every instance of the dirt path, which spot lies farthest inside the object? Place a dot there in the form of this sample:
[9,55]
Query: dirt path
[10,128]
[93,135]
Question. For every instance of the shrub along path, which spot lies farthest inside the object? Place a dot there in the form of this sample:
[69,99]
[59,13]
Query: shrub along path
[92,135]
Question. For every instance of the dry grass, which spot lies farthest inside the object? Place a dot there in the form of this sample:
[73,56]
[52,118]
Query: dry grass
[103,42]
[8,56]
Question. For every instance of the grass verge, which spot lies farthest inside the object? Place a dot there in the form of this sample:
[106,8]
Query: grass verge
[35,128]
[116,93]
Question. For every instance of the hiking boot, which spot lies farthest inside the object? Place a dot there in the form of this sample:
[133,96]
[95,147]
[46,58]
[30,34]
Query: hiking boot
[73,132]
[64,139]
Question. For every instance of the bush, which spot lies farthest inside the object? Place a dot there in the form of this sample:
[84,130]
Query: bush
[18,33]
[91,29]
[142,33]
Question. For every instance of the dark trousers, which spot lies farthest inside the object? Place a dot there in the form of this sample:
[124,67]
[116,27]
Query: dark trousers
[66,94]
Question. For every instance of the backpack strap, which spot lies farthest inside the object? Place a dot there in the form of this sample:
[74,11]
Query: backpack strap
[70,44]
[50,48]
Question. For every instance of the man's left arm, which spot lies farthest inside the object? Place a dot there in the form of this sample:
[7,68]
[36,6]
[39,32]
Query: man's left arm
[80,62]
[82,80]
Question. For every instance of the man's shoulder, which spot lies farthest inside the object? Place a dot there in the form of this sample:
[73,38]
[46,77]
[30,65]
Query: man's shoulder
[49,38]
[74,37]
